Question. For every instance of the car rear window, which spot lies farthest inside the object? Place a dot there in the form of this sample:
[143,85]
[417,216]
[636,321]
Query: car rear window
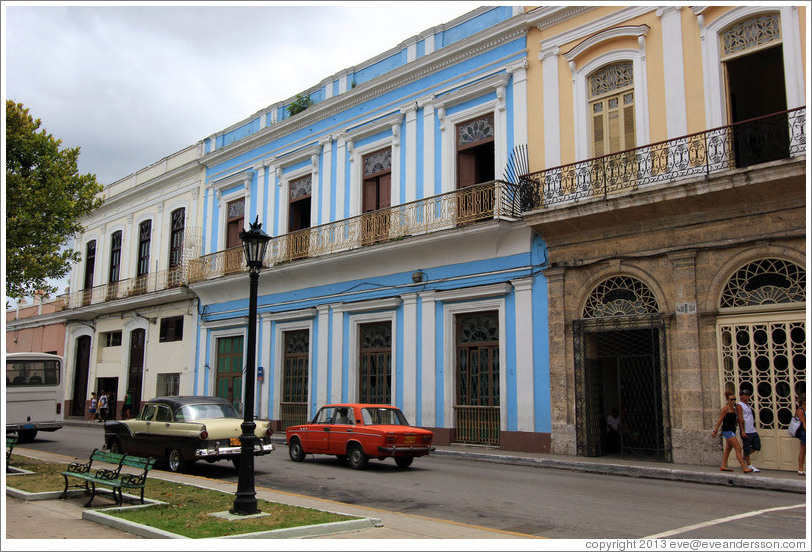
[383,416]
[192,412]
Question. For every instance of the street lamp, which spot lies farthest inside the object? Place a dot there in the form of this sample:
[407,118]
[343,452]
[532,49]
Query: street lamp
[254,242]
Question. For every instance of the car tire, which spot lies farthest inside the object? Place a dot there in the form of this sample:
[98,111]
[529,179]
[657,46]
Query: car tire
[404,462]
[356,456]
[115,446]
[295,450]
[175,461]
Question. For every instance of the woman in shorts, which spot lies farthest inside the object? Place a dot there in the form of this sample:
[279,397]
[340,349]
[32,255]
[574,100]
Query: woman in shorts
[729,421]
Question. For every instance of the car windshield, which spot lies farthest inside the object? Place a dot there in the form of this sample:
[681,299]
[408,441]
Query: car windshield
[383,416]
[192,412]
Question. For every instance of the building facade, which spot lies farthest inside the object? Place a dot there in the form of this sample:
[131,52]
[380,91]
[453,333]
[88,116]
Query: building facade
[669,188]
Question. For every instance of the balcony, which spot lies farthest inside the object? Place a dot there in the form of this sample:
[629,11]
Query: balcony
[495,200]
[770,138]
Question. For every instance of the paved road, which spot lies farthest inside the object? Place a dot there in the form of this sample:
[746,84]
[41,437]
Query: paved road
[535,501]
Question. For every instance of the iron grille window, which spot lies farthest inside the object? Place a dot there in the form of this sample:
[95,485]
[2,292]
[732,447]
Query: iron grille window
[620,296]
[144,237]
[176,237]
[375,378]
[115,256]
[171,329]
[765,282]
[751,33]
[168,385]
[478,359]
[475,151]
[297,351]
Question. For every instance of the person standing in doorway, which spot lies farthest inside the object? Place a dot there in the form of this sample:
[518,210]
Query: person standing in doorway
[727,419]
[801,433]
[103,406]
[751,442]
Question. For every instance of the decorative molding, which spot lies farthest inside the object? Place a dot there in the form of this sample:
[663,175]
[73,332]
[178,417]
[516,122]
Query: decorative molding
[477,292]
[639,31]
[300,314]
[244,176]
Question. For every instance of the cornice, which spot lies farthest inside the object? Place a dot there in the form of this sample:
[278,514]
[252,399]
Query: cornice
[636,31]
[449,55]
[593,27]
[549,17]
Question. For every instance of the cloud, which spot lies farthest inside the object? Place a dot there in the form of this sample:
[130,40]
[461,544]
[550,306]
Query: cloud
[133,84]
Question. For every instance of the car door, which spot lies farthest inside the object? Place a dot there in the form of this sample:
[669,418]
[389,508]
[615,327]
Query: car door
[315,439]
[160,430]
[137,442]
[341,430]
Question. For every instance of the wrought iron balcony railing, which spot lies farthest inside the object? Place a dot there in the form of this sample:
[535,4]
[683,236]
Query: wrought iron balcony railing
[487,201]
[773,137]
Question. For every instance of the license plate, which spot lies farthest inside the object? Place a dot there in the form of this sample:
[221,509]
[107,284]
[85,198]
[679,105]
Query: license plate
[234,442]
[408,439]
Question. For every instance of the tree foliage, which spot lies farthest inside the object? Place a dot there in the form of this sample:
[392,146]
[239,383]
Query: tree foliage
[45,199]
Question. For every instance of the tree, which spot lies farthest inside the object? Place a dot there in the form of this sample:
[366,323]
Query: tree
[45,199]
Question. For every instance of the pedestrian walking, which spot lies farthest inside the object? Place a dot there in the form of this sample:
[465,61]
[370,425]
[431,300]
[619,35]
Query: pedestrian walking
[127,409]
[800,434]
[94,402]
[728,421]
[103,406]
[751,442]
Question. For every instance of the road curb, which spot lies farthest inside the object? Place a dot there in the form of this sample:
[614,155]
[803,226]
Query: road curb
[737,480]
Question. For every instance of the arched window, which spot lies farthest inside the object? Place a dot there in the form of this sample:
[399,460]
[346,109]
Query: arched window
[620,296]
[765,282]
[611,108]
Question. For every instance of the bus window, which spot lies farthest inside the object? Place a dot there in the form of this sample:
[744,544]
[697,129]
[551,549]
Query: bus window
[32,372]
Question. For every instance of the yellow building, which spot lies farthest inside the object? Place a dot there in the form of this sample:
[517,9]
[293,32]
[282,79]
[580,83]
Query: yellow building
[667,150]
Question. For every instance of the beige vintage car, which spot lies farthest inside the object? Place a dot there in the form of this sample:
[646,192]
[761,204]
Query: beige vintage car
[182,430]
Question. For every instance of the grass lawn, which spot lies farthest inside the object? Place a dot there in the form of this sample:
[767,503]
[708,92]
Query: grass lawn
[187,510]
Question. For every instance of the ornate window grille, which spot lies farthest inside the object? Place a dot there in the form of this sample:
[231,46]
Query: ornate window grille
[618,76]
[377,162]
[765,282]
[475,131]
[301,187]
[620,296]
[751,33]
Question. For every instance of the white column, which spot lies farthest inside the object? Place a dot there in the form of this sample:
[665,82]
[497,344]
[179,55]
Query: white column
[326,179]
[341,165]
[127,240]
[337,353]
[270,199]
[260,170]
[429,380]
[324,327]
[519,72]
[158,261]
[552,121]
[525,383]
[675,105]
[410,143]
[396,145]
[409,360]
[428,148]
[500,130]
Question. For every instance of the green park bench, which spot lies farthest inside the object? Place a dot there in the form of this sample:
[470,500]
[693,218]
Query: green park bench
[11,440]
[113,478]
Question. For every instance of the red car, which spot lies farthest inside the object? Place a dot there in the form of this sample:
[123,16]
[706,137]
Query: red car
[358,432]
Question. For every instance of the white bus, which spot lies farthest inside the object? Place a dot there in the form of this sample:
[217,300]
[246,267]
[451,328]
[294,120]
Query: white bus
[34,394]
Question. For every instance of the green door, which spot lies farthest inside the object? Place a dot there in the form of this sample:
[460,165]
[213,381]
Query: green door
[230,368]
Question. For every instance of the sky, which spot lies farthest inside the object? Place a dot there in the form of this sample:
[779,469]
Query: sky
[133,82]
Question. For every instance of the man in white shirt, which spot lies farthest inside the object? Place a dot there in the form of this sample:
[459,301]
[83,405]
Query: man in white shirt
[747,427]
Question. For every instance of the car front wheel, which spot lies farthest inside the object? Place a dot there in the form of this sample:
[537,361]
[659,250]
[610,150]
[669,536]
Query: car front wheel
[295,450]
[358,459]
[175,461]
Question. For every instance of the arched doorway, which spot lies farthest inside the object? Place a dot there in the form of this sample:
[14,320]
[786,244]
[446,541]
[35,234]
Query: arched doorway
[80,375]
[761,334]
[620,363]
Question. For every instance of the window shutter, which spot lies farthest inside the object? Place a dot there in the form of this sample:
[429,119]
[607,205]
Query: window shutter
[370,194]
[597,131]
[385,191]
[629,139]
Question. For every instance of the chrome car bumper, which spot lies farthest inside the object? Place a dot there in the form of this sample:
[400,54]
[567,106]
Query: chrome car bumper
[231,451]
[405,449]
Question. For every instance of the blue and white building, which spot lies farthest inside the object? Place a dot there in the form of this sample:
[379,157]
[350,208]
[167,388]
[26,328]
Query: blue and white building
[399,271]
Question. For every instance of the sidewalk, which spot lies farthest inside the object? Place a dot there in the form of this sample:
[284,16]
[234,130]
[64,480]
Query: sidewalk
[23,518]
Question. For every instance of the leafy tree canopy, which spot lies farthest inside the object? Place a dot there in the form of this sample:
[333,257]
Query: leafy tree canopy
[45,199]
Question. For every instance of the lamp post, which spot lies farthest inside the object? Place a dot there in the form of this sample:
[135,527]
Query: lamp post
[254,242]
